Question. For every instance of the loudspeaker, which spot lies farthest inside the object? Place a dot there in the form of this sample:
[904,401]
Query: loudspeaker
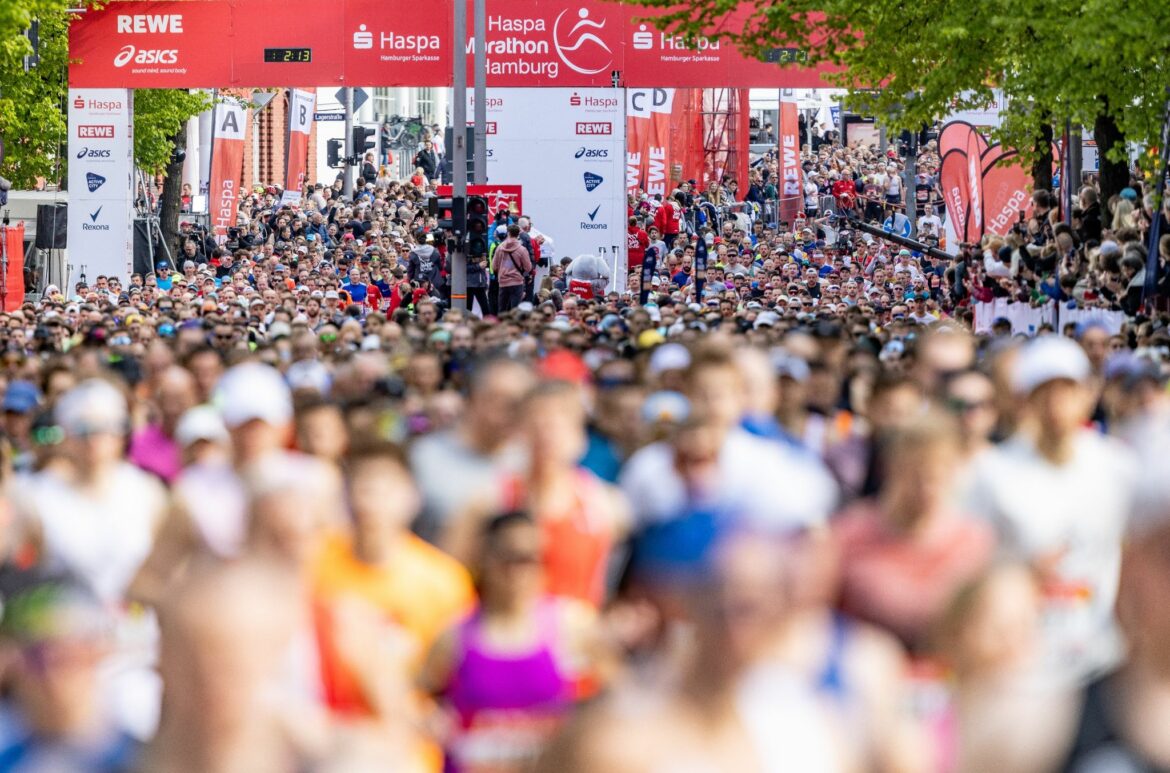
[52,226]
[142,264]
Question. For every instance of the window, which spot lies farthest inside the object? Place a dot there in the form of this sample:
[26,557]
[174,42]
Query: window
[385,102]
[425,105]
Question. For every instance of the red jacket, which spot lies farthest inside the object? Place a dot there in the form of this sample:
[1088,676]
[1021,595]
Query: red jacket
[637,241]
[668,218]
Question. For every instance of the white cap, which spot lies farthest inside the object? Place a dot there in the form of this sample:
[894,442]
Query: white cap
[1049,358]
[92,407]
[202,422]
[669,357]
[253,391]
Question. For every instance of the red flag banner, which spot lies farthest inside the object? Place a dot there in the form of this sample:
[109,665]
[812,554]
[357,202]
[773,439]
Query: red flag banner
[230,122]
[984,188]
[791,174]
[509,197]
[13,290]
[300,125]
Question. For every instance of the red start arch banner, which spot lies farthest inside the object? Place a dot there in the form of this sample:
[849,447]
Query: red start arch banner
[256,43]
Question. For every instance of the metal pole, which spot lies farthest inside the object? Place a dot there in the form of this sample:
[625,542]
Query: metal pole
[458,261]
[479,13]
[347,181]
[1075,162]
[908,182]
[1066,178]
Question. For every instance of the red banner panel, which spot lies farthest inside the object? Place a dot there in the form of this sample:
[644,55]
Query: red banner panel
[510,197]
[230,123]
[982,194]
[577,43]
[791,174]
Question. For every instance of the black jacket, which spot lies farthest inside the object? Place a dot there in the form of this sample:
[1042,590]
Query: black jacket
[427,161]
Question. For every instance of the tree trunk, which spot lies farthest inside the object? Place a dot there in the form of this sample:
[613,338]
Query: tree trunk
[1114,175]
[172,194]
[1042,166]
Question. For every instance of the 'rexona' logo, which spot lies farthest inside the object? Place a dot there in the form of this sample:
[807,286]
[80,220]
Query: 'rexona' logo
[580,48]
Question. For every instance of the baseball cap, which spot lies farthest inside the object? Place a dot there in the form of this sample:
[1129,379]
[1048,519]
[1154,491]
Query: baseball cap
[669,357]
[21,397]
[1049,358]
[93,407]
[251,391]
[202,422]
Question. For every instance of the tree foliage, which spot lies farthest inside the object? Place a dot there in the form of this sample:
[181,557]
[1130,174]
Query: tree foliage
[159,114]
[33,109]
[32,104]
[1051,61]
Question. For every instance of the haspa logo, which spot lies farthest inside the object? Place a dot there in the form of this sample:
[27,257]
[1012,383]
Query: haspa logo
[643,40]
[584,152]
[150,23]
[146,56]
[93,153]
[594,128]
[94,181]
[575,100]
[579,47]
[95,132]
[79,103]
[592,181]
[363,40]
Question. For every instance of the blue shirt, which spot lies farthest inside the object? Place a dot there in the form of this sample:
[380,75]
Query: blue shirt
[356,291]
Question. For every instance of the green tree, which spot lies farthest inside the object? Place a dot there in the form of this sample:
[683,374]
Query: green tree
[1095,64]
[32,104]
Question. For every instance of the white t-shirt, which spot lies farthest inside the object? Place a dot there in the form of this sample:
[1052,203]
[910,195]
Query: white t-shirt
[929,225]
[100,535]
[763,481]
[1075,515]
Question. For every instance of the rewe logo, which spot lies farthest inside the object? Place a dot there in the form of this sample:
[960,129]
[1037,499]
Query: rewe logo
[594,128]
[579,47]
[591,182]
[584,152]
[150,23]
[95,132]
[146,56]
[94,181]
[93,153]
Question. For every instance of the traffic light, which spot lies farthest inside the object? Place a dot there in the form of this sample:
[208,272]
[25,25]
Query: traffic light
[333,152]
[363,139]
[477,227]
[450,213]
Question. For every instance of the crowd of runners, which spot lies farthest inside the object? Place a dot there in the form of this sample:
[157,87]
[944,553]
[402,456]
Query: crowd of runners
[775,506]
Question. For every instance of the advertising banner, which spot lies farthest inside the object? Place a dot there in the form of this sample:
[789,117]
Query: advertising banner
[648,151]
[559,43]
[227,165]
[12,241]
[300,125]
[566,149]
[791,177]
[510,197]
[101,184]
[983,194]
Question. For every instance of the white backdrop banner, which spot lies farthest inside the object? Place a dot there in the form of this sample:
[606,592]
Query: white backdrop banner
[1027,319]
[101,185]
[566,148]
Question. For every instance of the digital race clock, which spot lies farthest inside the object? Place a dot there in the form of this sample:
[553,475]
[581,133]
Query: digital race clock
[288,55]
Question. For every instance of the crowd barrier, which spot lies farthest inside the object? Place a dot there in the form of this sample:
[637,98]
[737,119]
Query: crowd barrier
[1027,319]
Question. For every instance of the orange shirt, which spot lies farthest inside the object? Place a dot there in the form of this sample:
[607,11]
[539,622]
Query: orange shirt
[420,589]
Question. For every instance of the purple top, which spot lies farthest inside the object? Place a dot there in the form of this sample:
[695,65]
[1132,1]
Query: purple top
[153,451]
[509,704]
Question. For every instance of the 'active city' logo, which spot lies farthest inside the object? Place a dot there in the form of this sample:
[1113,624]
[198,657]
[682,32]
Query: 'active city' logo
[94,181]
[592,181]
